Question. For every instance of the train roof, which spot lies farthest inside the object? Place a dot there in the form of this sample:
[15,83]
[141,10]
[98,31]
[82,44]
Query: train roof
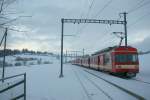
[110,49]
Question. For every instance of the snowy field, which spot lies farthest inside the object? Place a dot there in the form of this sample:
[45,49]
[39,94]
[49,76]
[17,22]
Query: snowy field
[43,82]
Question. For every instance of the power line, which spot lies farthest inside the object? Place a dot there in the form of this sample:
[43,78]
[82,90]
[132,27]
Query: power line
[99,12]
[103,39]
[139,19]
[87,15]
[90,8]
[137,8]
[105,6]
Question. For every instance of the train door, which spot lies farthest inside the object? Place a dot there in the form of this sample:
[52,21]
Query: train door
[101,61]
[107,61]
[98,65]
[113,60]
[89,62]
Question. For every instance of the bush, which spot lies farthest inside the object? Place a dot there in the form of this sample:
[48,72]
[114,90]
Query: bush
[47,62]
[24,59]
[18,64]
[6,64]
[19,59]
[1,63]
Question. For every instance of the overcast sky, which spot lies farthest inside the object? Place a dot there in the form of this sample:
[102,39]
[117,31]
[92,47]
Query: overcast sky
[44,27]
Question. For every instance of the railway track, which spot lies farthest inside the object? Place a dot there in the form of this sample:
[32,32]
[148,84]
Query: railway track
[134,79]
[117,86]
[83,86]
[94,84]
[100,89]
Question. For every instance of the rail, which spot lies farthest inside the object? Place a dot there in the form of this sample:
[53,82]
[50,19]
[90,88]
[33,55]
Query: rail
[119,87]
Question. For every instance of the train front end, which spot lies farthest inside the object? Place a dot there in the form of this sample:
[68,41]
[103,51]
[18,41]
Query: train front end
[125,61]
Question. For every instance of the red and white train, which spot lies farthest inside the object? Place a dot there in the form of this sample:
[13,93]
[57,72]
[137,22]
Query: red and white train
[119,60]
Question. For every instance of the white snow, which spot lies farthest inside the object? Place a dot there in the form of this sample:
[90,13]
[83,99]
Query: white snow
[144,68]
[43,82]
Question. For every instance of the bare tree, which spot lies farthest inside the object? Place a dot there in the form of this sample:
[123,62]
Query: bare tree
[3,5]
[6,21]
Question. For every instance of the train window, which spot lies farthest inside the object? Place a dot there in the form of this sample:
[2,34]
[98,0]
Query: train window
[120,58]
[132,58]
[126,58]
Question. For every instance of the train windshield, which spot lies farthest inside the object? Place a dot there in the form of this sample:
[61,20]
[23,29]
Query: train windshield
[126,58]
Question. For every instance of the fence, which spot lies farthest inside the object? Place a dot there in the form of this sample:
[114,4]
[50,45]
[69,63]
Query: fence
[13,87]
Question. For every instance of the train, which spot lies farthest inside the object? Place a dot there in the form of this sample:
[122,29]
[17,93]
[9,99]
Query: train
[116,60]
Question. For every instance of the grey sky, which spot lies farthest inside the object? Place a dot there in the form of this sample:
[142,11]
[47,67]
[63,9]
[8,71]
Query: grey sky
[44,27]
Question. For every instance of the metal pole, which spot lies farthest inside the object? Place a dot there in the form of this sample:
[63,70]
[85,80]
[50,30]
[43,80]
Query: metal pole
[125,28]
[2,39]
[83,52]
[76,54]
[25,86]
[3,73]
[66,56]
[62,35]
[71,56]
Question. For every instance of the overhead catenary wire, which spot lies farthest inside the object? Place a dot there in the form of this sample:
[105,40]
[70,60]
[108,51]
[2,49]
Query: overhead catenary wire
[138,20]
[103,38]
[104,7]
[99,12]
[132,10]
[87,15]
[109,43]
[138,7]
[137,4]
[90,8]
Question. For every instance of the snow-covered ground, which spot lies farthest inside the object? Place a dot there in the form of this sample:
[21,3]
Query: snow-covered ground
[43,82]
[144,67]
